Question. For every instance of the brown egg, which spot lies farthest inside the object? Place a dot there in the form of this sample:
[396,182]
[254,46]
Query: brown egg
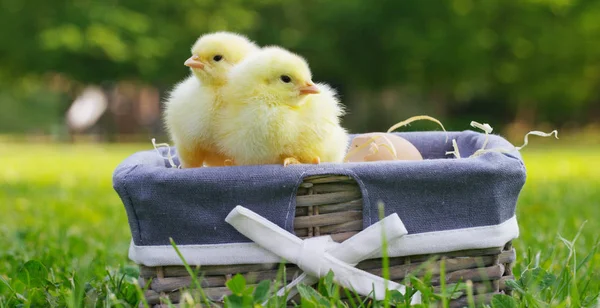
[381,146]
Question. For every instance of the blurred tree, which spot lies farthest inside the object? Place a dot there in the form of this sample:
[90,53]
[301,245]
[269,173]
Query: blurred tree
[97,41]
[505,59]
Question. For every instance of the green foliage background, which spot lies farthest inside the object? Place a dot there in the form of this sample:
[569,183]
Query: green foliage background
[490,60]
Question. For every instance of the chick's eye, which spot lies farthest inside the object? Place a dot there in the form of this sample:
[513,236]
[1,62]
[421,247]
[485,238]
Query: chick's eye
[285,78]
[218,58]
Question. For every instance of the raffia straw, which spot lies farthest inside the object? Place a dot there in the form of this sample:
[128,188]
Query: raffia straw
[416,118]
[488,129]
[169,155]
[455,147]
[391,149]
[537,133]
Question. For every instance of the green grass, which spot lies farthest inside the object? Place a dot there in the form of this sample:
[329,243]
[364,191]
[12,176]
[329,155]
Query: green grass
[61,220]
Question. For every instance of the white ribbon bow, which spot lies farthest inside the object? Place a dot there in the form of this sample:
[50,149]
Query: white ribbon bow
[316,256]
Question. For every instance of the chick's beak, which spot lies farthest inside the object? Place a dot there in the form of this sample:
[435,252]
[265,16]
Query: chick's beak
[194,62]
[309,88]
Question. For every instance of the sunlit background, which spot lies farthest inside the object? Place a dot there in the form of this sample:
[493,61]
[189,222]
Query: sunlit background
[517,65]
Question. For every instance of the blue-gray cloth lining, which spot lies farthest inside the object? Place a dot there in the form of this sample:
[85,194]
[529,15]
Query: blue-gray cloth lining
[436,194]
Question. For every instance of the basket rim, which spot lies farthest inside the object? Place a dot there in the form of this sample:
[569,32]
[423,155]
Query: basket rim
[430,196]
[251,253]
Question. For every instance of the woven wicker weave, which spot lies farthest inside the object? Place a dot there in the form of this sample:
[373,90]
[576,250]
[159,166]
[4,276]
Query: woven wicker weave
[333,205]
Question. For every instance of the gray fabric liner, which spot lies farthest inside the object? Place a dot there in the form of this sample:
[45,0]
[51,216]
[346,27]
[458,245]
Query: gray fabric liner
[438,193]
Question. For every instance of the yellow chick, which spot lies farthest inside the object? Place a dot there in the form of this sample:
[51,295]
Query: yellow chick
[193,103]
[275,114]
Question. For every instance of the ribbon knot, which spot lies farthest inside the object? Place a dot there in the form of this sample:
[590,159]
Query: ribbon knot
[317,256]
[313,251]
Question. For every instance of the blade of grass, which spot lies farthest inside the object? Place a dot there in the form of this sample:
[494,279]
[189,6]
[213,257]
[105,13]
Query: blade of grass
[350,299]
[191,273]
[385,261]
[7,284]
[589,256]
[140,292]
[167,301]
[470,299]
[573,291]
[443,283]
[456,288]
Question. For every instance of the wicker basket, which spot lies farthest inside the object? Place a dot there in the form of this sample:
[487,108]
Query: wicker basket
[332,205]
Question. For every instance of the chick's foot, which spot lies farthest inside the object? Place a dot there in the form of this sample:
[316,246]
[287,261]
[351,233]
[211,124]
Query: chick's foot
[290,161]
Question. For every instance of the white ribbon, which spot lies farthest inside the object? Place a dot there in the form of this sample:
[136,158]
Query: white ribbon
[316,256]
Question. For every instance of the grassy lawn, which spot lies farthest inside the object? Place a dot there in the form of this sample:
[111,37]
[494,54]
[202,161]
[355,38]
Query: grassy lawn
[59,210]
